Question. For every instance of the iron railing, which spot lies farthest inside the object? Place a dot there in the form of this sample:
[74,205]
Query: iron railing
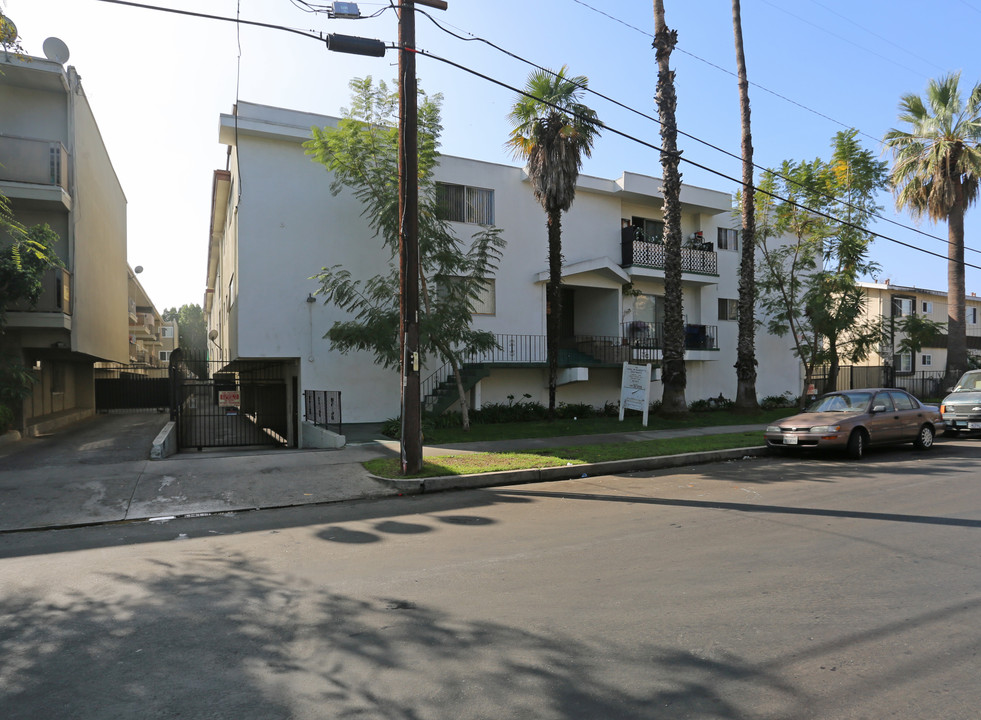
[323,408]
[652,254]
[927,385]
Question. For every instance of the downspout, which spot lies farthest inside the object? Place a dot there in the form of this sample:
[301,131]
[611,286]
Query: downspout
[73,84]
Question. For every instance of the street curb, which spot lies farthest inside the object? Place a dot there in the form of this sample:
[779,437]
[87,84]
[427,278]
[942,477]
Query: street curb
[9,438]
[419,486]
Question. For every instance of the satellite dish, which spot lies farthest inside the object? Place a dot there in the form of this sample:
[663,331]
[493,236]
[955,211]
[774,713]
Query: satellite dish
[138,269]
[212,335]
[56,50]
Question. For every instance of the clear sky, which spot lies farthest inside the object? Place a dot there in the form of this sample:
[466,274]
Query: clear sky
[158,81]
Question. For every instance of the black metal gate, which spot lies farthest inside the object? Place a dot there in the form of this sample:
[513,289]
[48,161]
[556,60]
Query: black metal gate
[131,388]
[219,404]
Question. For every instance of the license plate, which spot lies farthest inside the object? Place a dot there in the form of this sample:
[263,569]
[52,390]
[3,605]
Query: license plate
[974,426]
[789,439]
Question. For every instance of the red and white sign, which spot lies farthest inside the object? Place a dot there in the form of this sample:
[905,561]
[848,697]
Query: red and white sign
[229,398]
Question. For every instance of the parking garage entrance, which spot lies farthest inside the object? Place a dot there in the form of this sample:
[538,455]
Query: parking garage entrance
[216,403]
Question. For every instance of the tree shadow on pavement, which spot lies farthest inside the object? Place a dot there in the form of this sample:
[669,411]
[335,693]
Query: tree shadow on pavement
[224,637]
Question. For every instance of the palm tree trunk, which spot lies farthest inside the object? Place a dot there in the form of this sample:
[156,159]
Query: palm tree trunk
[746,345]
[956,327]
[673,373]
[553,315]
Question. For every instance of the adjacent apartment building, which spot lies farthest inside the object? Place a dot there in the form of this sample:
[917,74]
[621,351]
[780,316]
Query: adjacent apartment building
[891,303]
[54,169]
[275,223]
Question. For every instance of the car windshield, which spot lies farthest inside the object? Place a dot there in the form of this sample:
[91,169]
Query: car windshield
[969,382]
[841,402]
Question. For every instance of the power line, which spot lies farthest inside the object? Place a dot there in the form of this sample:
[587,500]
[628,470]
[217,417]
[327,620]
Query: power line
[513,89]
[730,72]
[652,146]
[475,38]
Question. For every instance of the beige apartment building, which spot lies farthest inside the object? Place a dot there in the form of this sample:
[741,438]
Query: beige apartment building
[892,302]
[54,169]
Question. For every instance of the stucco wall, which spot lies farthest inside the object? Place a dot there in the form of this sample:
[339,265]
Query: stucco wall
[289,225]
[99,284]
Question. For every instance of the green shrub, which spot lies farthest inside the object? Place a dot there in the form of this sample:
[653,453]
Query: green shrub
[6,418]
[716,403]
[787,400]
[575,410]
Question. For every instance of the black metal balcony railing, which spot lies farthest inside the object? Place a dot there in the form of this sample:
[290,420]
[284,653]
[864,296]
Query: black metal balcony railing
[648,253]
[592,349]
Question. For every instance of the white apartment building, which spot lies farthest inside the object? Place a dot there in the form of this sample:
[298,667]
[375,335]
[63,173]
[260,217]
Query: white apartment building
[275,223]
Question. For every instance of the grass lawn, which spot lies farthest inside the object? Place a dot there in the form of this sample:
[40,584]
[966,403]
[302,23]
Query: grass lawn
[471,463]
[598,425]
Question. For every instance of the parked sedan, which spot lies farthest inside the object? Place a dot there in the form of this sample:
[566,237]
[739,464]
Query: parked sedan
[851,420]
[962,408]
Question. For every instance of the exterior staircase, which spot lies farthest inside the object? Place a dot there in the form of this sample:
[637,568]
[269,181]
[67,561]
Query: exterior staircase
[440,391]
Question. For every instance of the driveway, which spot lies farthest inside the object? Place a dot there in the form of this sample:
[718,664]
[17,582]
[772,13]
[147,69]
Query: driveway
[85,473]
[99,471]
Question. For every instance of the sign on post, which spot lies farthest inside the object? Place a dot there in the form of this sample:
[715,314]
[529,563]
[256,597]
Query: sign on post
[230,400]
[635,389]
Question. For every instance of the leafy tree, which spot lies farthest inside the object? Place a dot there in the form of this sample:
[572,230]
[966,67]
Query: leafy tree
[809,286]
[362,154]
[23,262]
[192,328]
[673,375]
[916,332]
[936,169]
[746,344]
[553,130]
[25,256]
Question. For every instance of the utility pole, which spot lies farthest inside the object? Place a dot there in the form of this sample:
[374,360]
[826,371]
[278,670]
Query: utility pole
[409,237]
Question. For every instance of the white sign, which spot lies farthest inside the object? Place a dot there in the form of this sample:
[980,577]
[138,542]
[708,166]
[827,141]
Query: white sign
[635,389]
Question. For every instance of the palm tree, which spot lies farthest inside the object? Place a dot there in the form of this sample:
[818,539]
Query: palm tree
[746,345]
[673,374]
[937,166]
[552,131]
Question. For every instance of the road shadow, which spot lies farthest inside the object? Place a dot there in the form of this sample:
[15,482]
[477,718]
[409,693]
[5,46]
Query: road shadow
[225,638]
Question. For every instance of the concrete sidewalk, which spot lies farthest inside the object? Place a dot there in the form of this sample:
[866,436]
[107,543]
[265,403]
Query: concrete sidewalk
[100,473]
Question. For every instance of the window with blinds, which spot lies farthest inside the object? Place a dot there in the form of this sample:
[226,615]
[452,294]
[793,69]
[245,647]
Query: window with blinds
[462,203]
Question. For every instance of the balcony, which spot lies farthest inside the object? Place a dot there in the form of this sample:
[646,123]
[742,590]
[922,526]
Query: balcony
[55,296]
[644,251]
[35,162]
[144,328]
[639,342]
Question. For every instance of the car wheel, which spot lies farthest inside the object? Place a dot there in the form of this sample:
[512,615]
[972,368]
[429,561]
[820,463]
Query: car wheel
[924,438]
[856,445]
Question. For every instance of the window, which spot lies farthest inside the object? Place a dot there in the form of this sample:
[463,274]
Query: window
[902,306]
[167,331]
[728,309]
[926,360]
[165,355]
[926,307]
[902,400]
[728,239]
[485,303]
[461,203]
[653,230]
[903,362]
[972,315]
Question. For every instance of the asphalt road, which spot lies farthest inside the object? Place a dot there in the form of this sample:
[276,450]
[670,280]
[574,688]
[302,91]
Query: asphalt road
[756,589]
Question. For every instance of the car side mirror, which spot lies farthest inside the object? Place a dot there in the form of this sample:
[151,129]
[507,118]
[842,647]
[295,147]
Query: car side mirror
[878,409]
